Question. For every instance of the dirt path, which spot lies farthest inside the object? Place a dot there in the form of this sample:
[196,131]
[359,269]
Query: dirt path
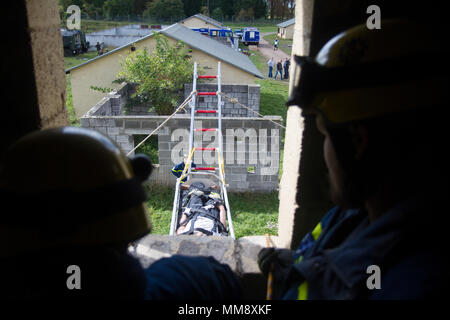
[266,49]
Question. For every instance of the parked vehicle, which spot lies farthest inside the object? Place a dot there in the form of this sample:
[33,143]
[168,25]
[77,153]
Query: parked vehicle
[74,42]
[238,32]
[250,36]
[226,33]
[204,31]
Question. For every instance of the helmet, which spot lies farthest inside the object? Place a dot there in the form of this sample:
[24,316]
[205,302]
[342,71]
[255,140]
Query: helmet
[362,74]
[70,186]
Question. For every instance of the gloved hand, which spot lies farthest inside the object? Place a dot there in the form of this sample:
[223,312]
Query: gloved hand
[280,259]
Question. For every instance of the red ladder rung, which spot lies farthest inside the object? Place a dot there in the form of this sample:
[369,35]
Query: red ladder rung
[206,129]
[206,111]
[211,149]
[206,93]
[205,168]
[206,77]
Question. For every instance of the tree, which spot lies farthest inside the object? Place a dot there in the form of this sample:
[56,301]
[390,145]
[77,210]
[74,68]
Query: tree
[217,14]
[159,75]
[191,7]
[164,9]
[260,7]
[227,7]
[112,8]
[249,9]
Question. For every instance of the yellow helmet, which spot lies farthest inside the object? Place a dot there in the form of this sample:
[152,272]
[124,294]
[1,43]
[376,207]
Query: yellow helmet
[70,186]
[361,73]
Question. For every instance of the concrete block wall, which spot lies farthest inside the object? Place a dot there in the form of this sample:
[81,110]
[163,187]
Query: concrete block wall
[117,37]
[248,95]
[251,145]
[241,255]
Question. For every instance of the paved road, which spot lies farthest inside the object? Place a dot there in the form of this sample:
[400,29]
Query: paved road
[266,49]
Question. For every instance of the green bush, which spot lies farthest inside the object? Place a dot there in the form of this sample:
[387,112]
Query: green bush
[160,75]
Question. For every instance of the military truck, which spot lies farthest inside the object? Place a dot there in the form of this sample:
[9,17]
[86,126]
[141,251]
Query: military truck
[74,42]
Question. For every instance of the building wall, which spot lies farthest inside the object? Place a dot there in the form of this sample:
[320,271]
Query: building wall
[102,72]
[286,33]
[250,144]
[117,37]
[194,22]
[248,95]
[229,73]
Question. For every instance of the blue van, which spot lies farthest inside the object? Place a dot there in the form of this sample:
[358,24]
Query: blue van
[250,36]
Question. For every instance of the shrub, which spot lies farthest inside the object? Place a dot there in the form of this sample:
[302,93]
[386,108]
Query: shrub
[159,75]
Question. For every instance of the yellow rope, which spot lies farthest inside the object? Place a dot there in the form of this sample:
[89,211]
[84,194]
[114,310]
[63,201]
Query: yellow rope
[187,164]
[270,276]
[221,166]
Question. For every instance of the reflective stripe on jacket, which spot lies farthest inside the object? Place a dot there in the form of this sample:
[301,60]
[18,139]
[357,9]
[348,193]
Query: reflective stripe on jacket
[332,261]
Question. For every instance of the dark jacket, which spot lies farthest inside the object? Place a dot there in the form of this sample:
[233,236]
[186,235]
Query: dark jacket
[177,170]
[279,66]
[332,260]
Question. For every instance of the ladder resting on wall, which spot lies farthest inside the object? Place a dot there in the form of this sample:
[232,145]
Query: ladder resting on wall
[216,173]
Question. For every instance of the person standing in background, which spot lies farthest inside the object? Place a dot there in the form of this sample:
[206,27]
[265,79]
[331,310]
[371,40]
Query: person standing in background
[270,63]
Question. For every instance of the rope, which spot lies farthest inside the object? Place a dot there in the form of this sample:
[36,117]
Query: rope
[236,101]
[185,102]
[187,164]
[270,276]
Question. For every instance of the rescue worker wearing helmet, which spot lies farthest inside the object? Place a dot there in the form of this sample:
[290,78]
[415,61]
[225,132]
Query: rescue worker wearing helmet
[73,201]
[380,100]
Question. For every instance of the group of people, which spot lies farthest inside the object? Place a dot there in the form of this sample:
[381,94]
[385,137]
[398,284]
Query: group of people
[76,199]
[280,67]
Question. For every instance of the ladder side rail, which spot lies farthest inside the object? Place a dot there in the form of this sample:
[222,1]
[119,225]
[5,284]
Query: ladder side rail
[220,160]
[174,219]
[219,107]
[227,206]
[193,102]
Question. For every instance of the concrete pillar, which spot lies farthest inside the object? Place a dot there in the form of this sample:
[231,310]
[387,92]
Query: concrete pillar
[48,61]
[33,95]
[301,155]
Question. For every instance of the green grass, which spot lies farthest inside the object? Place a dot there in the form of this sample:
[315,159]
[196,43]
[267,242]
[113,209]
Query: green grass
[252,213]
[149,147]
[283,44]
[159,204]
[72,61]
[274,93]
[262,27]
[69,104]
